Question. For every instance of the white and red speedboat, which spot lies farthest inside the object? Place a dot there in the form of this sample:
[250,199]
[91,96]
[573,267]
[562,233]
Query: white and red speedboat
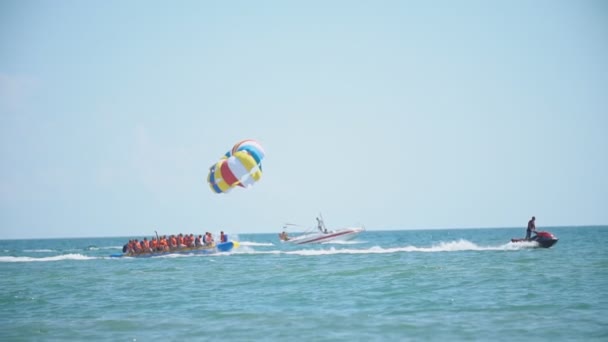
[321,235]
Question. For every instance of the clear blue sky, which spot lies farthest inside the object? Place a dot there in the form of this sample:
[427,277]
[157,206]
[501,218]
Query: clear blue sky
[392,114]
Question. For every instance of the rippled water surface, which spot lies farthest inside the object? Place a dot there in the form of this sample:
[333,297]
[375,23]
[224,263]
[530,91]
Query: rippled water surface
[384,285]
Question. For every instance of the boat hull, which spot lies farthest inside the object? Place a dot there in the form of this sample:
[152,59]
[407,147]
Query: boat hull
[333,236]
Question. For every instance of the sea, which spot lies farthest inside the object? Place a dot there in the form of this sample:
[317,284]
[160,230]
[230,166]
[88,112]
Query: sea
[394,285]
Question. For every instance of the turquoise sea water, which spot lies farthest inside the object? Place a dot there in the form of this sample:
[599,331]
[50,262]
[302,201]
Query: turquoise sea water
[430,285]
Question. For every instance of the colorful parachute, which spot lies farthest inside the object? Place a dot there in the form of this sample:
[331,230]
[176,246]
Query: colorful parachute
[241,166]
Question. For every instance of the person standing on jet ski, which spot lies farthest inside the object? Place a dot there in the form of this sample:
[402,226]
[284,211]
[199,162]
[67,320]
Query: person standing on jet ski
[531,227]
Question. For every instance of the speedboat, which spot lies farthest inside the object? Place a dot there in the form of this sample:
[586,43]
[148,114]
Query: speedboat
[323,235]
[542,239]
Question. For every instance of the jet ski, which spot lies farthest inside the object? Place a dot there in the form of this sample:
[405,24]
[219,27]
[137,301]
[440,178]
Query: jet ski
[543,239]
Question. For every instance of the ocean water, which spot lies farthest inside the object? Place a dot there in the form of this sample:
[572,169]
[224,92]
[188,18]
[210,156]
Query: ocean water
[429,285]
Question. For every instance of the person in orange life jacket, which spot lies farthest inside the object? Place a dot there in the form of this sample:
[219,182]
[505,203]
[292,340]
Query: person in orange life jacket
[125,248]
[209,239]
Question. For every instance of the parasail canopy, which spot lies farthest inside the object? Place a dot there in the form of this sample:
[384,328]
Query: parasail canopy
[241,166]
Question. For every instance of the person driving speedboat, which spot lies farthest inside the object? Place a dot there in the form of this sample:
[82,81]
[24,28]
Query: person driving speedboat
[321,226]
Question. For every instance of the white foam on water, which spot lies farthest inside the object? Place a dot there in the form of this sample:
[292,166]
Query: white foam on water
[520,245]
[94,248]
[450,246]
[256,244]
[243,249]
[247,248]
[349,242]
[46,259]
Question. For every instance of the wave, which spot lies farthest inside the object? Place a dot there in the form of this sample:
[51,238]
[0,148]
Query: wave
[39,250]
[45,259]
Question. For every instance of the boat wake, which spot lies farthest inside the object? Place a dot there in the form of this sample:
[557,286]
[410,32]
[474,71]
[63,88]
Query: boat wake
[86,249]
[187,255]
[348,242]
[247,248]
[95,248]
[256,244]
[451,246]
[45,259]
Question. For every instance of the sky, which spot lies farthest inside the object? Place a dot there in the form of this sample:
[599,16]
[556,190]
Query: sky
[387,114]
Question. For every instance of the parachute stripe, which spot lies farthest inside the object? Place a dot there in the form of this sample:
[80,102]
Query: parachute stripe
[254,152]
[212,182]
[221,183]
[239,164]
[227,174]
[252,146]
[236,146]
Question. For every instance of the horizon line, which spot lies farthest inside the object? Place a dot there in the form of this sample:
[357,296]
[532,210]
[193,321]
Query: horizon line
[374,230]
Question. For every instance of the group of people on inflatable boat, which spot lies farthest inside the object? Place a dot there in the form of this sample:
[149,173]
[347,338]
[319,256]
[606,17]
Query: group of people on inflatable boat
[171,243]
